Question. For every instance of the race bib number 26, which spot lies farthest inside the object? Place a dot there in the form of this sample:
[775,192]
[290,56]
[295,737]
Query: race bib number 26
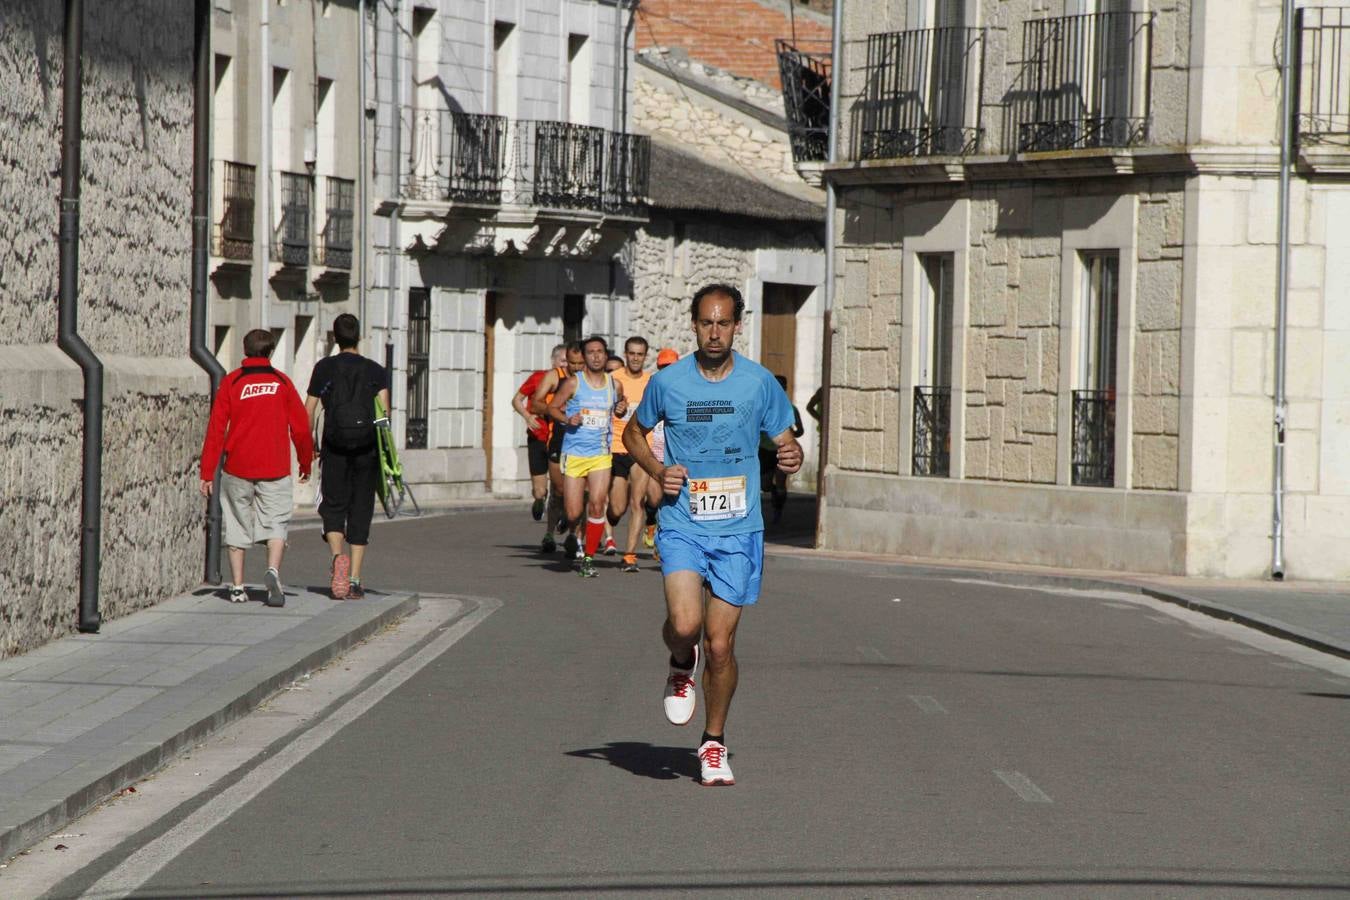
[711,499]
[594,418]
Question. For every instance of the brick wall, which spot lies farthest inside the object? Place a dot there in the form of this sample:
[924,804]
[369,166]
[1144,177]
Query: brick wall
[734,35]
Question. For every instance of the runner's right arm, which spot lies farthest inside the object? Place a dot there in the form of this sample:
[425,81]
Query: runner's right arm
[557,409]
[671,478]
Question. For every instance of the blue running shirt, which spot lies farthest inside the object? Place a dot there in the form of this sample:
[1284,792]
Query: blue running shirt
[596,405]
[712,429]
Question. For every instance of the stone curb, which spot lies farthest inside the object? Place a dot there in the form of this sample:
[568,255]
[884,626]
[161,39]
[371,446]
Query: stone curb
[309,519]
[259,673]
[1311,639]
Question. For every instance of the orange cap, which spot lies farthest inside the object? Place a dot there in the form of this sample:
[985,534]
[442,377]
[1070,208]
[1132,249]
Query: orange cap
[666,357]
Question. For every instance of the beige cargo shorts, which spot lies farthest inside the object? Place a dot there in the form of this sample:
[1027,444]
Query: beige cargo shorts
[255,511]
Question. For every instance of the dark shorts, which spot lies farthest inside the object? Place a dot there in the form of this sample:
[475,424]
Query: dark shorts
[348,483]
[555,442]
[622,465]
[537,451]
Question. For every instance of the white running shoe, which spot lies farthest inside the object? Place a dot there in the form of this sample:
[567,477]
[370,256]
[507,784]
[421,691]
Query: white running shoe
[715,770]
[680,697]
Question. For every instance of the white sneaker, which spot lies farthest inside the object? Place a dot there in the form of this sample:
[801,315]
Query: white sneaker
[715,770]
[680,696]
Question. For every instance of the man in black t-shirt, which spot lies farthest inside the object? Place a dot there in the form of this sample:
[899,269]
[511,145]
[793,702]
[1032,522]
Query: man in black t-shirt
[347,384]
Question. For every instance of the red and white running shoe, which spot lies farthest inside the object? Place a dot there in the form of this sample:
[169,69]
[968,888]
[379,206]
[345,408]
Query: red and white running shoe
[715,770]
[340,582]
[680,696]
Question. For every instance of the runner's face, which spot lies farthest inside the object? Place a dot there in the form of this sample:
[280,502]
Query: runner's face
[715,326]
[560,359]
[596,356]
[635,357]
[575,360]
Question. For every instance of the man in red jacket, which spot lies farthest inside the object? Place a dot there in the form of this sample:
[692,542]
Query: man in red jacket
[256,414]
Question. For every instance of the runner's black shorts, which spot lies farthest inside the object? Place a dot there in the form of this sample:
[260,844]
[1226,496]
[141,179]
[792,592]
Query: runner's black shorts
[622,465]
[538,455]
[555,444]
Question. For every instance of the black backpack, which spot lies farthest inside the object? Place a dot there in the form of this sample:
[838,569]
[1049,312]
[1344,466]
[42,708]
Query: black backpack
[349,414]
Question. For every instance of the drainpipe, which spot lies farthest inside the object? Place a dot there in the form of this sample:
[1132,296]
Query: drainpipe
[67,329]
[1282,283]
[264,211]
[363,179]
[395,175]
[619,44]
[201,211]
[826,368]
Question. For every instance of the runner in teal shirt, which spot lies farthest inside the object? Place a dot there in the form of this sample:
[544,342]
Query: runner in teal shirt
[715,404]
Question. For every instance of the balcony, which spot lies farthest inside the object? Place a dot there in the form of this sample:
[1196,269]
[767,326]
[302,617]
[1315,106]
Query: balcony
[1323,77]
[291,239]
[923,94]
[232,237]
[1087,80]
[806,101]
[490,160]
[1094,438]
[932,431]
[333,250]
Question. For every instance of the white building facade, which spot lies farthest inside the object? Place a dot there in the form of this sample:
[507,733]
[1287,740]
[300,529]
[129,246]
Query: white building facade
[506,189]
[1055,335]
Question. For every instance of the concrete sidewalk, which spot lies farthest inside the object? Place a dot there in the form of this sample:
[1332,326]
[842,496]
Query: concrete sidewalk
[87,715]
[1315,614]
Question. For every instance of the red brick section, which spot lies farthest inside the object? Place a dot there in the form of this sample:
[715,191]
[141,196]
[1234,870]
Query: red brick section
[734,35]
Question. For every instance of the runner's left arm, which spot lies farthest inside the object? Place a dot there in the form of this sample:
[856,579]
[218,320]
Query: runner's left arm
[789,452]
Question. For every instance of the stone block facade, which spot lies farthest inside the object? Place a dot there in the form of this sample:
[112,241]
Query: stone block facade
[1189,209]
[134,295]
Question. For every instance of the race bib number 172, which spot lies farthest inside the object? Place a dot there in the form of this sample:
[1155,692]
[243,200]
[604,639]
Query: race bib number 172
[711,499]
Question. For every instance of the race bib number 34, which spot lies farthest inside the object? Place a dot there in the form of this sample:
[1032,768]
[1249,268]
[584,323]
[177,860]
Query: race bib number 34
[711,499]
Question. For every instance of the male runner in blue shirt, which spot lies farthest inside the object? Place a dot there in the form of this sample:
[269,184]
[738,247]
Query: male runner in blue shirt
[715,404]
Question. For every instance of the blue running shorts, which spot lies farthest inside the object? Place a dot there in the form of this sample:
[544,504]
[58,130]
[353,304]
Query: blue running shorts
[732,564]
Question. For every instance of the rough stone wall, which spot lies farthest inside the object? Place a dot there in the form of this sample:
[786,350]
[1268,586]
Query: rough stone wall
[1157,342]
[666,272]
[721,139]
[134,285]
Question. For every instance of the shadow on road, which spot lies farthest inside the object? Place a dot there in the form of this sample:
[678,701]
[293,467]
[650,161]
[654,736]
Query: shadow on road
[640,758]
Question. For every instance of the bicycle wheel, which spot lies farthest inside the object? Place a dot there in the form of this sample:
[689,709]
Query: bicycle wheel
[391,495]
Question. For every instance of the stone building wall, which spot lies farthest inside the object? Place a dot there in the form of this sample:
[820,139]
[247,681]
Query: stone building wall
[718,134]
[134,286]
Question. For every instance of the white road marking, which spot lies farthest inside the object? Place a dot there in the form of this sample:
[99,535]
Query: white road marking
[1023,787]
[895,599]
[927,704]
[146,862]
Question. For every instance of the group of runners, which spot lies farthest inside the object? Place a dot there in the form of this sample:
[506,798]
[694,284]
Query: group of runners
[684,441]
[575,413]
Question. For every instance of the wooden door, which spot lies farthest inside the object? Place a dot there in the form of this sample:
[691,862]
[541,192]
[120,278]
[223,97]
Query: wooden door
[778,331]
[489,365]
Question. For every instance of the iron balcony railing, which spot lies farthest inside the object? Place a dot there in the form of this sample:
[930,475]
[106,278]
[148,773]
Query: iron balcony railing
[922,94]
[932,431]
[233,237]
[1094,438]
[334,246]
[455,156]
[1088,82]
[291,240]
[1323,72]
[492,160]
[806,100]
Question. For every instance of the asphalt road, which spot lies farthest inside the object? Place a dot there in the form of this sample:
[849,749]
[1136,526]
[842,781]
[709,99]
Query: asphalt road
[891,736]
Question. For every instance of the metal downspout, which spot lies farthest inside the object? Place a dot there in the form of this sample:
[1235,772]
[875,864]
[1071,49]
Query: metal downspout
[264,212]
[395,176]
[1282,284]
[67,318]
[826,369]
[201,211]
[363,179]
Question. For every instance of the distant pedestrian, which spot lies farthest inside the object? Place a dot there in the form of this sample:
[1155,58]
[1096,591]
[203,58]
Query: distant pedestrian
[538,430]
[256,413]
[347,385]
